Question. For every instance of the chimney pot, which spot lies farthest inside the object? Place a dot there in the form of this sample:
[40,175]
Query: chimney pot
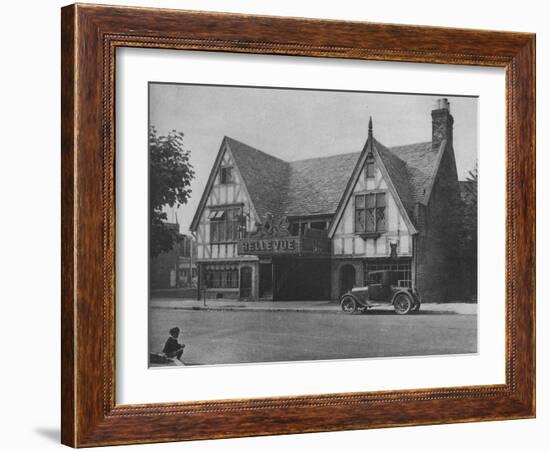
[442,104]
[442,123]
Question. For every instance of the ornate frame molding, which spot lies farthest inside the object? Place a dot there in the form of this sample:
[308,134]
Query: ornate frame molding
[90,37]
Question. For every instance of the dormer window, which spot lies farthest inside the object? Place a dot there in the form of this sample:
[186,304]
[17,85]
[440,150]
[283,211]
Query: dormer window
[226,175]
[369,168]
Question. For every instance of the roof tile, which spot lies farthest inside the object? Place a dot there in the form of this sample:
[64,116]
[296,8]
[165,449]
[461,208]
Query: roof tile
[315,186]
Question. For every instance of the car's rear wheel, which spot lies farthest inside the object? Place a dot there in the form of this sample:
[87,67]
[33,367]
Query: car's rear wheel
[349,305]
[402,304]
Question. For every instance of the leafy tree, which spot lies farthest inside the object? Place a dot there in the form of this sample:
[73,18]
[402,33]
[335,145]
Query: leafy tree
[469,207]
[468,232]
[170,176]
[472,186]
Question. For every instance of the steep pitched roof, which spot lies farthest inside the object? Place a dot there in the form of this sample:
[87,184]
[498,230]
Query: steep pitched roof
[298,188]
[316,186]
[266,177]
[422,161]
[411,169]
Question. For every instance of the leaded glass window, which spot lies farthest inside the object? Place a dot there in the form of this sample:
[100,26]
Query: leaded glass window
[370,212]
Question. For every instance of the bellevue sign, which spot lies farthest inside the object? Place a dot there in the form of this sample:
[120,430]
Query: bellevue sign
[273,238]
[273,245]
[296,245]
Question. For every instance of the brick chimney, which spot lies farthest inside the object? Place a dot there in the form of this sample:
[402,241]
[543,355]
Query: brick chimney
[442,123]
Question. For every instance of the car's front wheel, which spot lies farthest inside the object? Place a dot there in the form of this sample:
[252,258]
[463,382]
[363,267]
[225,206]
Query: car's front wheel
[349,305]
[402,304]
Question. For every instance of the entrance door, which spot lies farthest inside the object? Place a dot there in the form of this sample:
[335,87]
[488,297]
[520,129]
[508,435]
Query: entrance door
[347,278]
[246,282]
[266,281]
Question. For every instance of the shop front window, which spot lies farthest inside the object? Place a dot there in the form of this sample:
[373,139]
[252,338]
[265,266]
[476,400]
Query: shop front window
[402,268]
[222,279]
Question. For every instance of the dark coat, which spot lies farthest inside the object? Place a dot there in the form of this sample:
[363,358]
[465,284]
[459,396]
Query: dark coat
[171,347]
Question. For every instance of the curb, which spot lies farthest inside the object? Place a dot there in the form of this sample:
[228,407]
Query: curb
[336,309]
[245,309]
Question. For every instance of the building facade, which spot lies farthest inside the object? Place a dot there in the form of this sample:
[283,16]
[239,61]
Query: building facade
[175,269]
[312,229]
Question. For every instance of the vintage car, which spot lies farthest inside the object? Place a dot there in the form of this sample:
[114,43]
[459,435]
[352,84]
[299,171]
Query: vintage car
[382,289]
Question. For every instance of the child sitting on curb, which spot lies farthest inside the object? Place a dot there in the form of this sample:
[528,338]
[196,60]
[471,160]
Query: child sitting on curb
[172,348]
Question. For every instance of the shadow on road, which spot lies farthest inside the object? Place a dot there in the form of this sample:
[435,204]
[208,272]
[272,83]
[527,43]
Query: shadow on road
[419,313]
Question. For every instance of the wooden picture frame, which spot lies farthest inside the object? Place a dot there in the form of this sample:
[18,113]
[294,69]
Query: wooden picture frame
[90,36]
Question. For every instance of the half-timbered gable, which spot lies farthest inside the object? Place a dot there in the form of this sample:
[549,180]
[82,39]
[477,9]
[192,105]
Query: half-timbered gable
[372,221]
[225,210]
[388,217]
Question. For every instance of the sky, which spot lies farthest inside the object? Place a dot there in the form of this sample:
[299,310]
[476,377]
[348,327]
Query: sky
[295,124]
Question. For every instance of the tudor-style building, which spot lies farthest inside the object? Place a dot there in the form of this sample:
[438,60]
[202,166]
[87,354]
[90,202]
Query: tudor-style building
[312,229]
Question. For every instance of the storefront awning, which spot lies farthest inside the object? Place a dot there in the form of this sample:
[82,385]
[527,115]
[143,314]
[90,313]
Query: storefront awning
[216,215]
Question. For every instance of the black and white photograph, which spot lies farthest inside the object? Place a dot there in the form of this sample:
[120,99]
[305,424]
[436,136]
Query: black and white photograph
[240,225]
[294,224]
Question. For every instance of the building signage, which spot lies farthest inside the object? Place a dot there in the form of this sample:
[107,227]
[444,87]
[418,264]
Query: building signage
[271,238]
[270,245]
[283,245]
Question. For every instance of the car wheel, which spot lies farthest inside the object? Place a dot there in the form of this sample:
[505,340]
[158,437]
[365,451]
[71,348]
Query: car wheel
[349,305]
[402,304]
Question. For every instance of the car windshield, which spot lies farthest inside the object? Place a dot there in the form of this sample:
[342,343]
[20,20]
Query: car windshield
[375,278]
[386,278]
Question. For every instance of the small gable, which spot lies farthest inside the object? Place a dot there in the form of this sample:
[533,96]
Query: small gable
[376,169]
[225,207]
[228,184]
[225,187]
[371,207]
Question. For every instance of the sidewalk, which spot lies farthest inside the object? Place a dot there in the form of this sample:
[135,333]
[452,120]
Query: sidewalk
[329,307]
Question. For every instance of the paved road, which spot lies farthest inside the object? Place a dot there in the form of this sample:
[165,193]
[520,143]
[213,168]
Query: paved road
[222,337]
